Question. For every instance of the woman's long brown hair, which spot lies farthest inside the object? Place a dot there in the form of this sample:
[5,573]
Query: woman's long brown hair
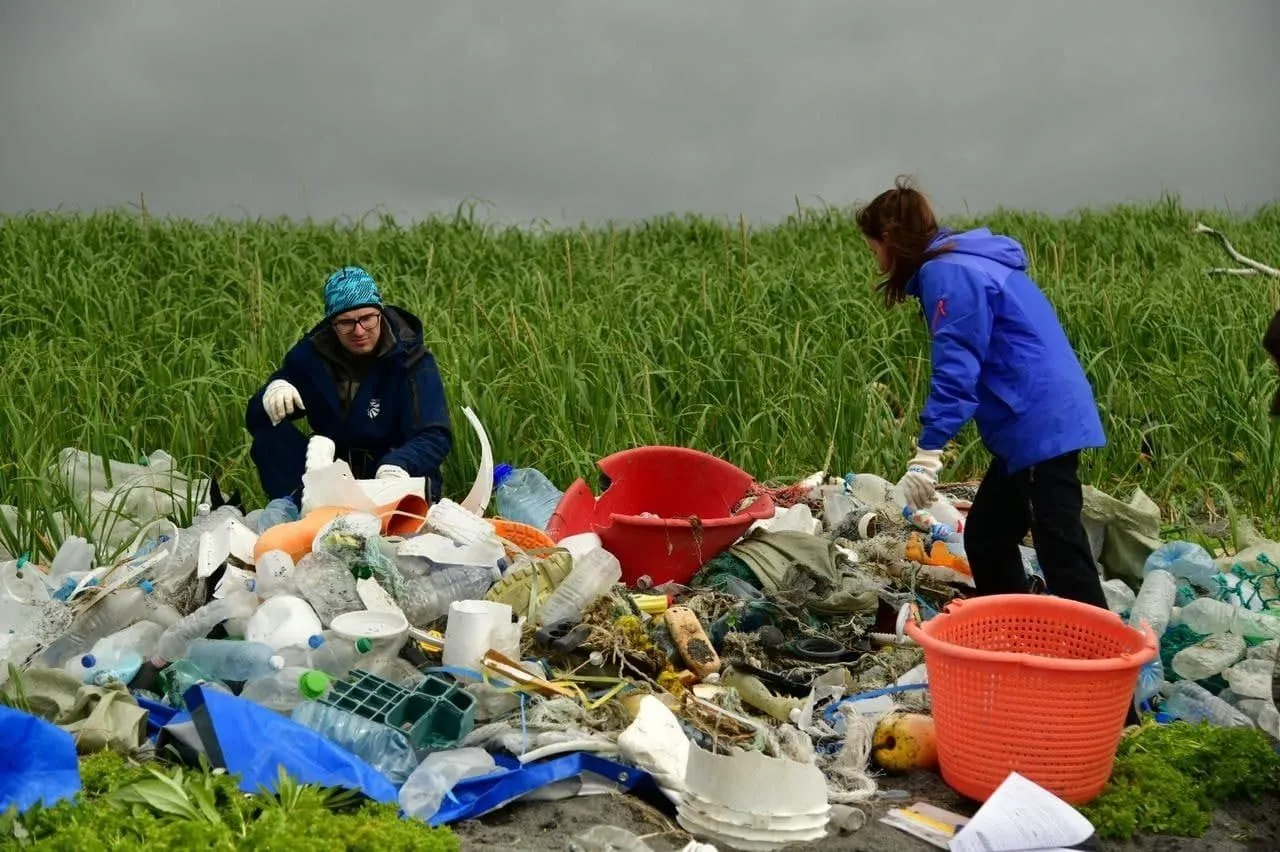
[903,221]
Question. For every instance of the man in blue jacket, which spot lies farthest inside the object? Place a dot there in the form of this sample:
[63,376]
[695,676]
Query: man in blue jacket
[364,379]
[999,357]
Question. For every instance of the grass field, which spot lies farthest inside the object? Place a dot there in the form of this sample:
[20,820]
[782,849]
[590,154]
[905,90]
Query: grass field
[123,334]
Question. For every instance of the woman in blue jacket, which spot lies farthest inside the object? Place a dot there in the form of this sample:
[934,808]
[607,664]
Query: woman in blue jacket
[364,379]
[999,357]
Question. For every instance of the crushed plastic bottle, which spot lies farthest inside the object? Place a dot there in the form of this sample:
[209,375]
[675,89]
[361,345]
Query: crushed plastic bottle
[1206,616]
[1191,702]
[118,610]
[591,577]
[176,639]
[1120,598]
[385,749]
[326,583]
[1209,656]
[426,597]
[233,659]
[525,495]
[180,677]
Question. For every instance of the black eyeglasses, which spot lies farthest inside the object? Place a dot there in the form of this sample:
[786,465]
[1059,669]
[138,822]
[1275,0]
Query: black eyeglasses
[347,326]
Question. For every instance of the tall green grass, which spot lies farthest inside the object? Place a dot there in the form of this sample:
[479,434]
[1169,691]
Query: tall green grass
[121,334]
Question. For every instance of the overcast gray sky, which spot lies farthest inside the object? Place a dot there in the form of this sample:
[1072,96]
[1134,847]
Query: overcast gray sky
[591,110]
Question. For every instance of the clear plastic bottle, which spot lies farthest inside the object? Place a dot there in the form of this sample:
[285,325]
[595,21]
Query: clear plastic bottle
[233,659]
[284,690]
[426,597]
[592,576]
[1191,702]
[525,495]
[74,558]
[330,654]
[1209,656]
[118,656]
[181,676]
[1251,678]
[119,610]
[424,791]
[100,671]
[385,749]
[173,644]
[1206,615]
[281,510]
[327,583]
[1154,602]
[1120,598]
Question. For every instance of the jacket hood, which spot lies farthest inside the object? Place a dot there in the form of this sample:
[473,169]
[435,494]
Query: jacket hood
[405,328]
[980,242]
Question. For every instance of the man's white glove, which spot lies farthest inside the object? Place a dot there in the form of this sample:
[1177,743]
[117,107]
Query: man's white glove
[280,400]
[920,483]
[391,471]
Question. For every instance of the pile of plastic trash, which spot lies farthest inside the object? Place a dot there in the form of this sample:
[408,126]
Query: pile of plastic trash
[683,634]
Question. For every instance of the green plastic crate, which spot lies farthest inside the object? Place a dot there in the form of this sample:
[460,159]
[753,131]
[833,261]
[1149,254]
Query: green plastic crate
[435,715]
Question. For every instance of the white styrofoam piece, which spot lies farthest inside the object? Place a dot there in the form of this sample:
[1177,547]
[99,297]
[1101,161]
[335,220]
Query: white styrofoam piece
[242,541]
[733,781]
[376,598]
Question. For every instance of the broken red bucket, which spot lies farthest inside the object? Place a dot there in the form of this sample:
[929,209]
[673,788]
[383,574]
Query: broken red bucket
[664,512]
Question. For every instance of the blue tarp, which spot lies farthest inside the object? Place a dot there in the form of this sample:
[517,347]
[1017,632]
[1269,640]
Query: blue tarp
[253,742]
[38,761]
[473,797]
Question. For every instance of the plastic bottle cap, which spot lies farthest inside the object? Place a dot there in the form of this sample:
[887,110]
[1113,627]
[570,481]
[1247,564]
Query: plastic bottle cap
[88,661]
[276,662]
[315,641]
[501,472]
[147,586]
[364,645]
[313,684]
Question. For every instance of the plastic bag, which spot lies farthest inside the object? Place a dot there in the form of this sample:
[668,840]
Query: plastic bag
[1187,561]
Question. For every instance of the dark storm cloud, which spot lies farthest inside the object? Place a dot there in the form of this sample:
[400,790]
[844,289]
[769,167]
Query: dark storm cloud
[588,110]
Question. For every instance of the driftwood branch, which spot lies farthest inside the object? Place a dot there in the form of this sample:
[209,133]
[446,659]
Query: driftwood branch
[1248,265]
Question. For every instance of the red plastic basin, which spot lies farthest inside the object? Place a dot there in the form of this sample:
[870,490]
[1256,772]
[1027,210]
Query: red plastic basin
[692,494]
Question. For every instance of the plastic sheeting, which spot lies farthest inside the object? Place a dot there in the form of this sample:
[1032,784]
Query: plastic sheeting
[255,743]
[38,762]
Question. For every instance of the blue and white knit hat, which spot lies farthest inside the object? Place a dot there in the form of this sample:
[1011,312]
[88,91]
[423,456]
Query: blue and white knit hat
[348,288]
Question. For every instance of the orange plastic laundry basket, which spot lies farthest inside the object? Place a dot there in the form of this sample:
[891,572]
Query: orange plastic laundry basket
[1031,684]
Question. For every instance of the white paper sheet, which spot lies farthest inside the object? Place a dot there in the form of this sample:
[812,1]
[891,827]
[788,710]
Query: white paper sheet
[1022,816]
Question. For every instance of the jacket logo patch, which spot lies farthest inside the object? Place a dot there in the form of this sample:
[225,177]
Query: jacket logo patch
[375,408]
[939,314]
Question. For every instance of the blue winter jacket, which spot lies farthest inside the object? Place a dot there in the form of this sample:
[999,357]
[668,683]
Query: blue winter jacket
[398,415]
[999,355]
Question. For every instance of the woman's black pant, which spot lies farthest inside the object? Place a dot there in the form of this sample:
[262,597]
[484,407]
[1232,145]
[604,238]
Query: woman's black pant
[1045,499]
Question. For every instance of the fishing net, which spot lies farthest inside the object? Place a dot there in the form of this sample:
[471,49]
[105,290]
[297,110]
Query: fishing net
[351,539]
[1257,587]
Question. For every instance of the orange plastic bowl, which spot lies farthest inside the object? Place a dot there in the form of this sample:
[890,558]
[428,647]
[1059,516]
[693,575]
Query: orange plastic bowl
[1031,684]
